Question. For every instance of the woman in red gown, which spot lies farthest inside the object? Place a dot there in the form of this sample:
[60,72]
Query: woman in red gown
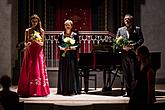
[33,76]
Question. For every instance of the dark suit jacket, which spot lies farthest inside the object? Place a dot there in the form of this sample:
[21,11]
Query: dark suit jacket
[135,35]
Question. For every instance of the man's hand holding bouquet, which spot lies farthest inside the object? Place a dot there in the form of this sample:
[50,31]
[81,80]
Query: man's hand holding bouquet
[122,43]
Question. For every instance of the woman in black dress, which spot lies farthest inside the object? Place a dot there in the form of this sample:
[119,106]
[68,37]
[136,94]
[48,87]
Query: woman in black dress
[68,78]
[144,89]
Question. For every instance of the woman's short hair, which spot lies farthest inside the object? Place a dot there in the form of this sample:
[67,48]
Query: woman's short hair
[68,22]
[128,16]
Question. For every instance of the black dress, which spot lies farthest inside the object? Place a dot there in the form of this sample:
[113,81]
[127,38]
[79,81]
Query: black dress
[68,78]
[139,97]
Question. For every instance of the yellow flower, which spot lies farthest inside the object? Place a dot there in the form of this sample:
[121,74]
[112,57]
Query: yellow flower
[119,39]
[37,37]
[119,43]
[122,41]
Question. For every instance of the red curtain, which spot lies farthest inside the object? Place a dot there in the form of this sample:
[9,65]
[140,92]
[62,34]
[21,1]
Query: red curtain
[78,11]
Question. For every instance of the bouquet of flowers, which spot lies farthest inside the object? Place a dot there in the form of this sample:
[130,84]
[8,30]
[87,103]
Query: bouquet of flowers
[36,37]
[119,43]
[68,42]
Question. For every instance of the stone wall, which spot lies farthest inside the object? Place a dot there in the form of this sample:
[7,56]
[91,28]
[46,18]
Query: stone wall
[8,35]
[153,25]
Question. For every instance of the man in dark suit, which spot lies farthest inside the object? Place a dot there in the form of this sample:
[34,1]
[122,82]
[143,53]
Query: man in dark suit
[135,37]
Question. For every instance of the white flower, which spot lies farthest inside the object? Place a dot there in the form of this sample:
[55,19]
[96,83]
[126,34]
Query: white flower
[66,39]
[72,41]
[69,40]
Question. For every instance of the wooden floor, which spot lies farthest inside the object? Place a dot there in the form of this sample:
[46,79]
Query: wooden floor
[94,100]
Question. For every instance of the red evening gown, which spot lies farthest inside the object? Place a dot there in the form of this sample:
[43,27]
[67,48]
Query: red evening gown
[33,77]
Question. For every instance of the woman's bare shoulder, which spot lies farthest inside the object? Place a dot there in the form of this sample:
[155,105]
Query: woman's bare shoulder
[26,30]
[42,30]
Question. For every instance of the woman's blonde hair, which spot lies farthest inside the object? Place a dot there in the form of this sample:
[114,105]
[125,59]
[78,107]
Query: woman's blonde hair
[68,22]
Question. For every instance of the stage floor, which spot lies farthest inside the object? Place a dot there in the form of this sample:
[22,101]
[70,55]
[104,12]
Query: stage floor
[92,97]
[93,100]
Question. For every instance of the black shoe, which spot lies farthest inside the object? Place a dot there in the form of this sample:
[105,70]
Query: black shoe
[106,89]
[79,92]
